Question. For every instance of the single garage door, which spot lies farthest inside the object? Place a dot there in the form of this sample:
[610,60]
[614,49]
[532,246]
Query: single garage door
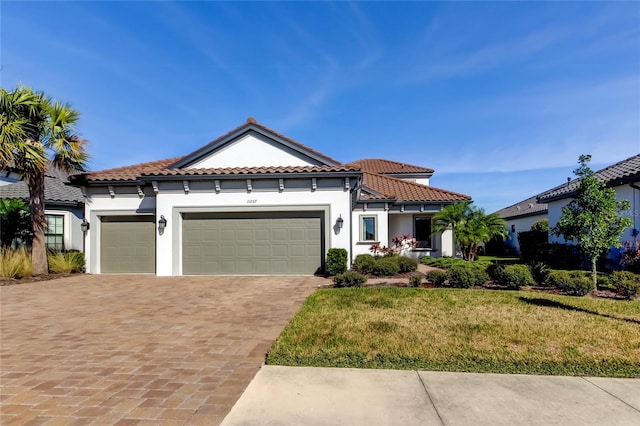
[127,244]
[245,244]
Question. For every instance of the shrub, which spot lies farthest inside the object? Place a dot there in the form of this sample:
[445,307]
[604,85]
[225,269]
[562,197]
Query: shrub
[437,277]
[364,263]
[466,276]
[516,276]
[496,271]
[65,263]
[631,256]
[579,285]
[406,264]
[533,245]
[385,267]
[626,283]
[336,261]
[415,280]
[15,263]
[559,279]
[540,272]
[604,283]
[349,279]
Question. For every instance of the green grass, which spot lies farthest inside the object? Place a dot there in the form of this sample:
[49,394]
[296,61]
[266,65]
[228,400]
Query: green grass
[463,330]
[505,259]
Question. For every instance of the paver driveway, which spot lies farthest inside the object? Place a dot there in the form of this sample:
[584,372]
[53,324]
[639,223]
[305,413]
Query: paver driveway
[137,349]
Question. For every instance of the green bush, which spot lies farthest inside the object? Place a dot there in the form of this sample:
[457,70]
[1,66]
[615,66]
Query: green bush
[516,276]
[604,283]
[364,263]
[580,285]
[15,263]
[442,262]
[496,271]
[65,263]
[406,264]
[466,276]
[415,280]
[438,278]
[626,283]
[336,261]
[349,279]
[540,272]
[559,279]
[385,267]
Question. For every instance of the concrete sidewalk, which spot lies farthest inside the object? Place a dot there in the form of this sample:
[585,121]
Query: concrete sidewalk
[337,396]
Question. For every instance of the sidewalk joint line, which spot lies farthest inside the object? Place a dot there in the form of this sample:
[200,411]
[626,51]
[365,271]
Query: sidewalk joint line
[615,396]
[424,386]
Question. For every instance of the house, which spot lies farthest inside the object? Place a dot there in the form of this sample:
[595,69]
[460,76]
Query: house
[64,206]
[254,201]
[623,177]
[520,217]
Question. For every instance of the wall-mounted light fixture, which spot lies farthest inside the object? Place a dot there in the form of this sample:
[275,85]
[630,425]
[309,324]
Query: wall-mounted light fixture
[513,228]
[162,223]
[340,222]
[84,225]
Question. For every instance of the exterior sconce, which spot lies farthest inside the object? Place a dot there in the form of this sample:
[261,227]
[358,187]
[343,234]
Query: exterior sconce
[340,222]
[513,228]
[162,223]
[84,225]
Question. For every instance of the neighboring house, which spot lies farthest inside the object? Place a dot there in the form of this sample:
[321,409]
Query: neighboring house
[254,202]
[64,207]
[520,217]
[623,177]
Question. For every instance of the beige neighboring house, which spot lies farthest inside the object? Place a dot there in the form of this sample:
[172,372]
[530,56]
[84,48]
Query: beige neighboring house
[520,217]
[254,202]
[64,206]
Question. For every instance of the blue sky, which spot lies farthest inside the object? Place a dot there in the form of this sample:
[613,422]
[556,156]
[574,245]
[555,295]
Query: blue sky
[500,98]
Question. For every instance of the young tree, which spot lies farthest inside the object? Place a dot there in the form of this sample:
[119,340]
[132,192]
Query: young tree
[470,225]
[592,219]
[36,131]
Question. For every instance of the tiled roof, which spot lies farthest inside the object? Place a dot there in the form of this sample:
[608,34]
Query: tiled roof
[528,207]
[252,122]
[398,189]
[614,175]
[55,190]
[126,173]
[250,170]
[379,165]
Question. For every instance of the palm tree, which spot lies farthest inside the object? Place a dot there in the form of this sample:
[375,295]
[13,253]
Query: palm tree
[36,131]
[470,225]
[15,222]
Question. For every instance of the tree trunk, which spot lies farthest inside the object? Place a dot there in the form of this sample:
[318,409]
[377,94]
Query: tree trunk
[36,204]
[594,272]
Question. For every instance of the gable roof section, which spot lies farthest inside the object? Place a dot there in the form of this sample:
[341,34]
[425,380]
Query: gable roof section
[622,172]
[524,208]
[252,125]
[55,190]
[381,166]
[389,188]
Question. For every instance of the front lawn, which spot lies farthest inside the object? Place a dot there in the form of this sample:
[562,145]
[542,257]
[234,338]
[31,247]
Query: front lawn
[463,330]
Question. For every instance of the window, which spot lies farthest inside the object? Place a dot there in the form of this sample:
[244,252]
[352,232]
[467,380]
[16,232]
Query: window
[422,232]
[368,229]
[54,232]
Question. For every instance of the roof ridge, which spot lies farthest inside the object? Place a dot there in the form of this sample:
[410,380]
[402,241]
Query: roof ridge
[390,165]
[146,163]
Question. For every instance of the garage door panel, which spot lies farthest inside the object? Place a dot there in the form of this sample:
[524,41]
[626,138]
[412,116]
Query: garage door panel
[127,244]
[251,245]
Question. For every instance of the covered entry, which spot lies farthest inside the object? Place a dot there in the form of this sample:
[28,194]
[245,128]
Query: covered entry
[127,244]
[270,243]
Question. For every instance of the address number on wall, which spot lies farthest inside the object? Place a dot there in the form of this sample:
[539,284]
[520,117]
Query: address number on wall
[252,201]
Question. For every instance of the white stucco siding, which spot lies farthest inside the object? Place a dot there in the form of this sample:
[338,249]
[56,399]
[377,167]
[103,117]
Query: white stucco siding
[98,204]
[382,230]
[253,150]
[623,192]
[402,223]
[172,204]
[521,224]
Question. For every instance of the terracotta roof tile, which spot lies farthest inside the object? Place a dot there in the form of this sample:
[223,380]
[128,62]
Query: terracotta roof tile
[613,175]
[379,165]
[528,207]
[393,188]
[126,173]
[250,170]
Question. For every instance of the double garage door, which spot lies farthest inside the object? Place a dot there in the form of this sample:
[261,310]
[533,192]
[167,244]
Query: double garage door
[245,244]
[285,243]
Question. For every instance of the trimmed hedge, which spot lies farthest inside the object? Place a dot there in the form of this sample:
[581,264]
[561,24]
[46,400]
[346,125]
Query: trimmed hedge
[349,279]
[466,276]
[437,277]
[626,283]
[516,276]
[337,261]
[406,264]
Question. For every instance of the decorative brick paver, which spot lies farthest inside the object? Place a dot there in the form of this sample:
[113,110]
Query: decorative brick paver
[137,350]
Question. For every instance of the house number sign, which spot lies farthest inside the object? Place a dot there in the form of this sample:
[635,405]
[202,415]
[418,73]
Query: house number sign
[252,201]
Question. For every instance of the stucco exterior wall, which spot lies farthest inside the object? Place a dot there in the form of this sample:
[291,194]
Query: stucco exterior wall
[262,152]
[382,230]
[521,224]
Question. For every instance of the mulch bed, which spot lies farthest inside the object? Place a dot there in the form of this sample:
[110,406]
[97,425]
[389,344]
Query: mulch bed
[33,279]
